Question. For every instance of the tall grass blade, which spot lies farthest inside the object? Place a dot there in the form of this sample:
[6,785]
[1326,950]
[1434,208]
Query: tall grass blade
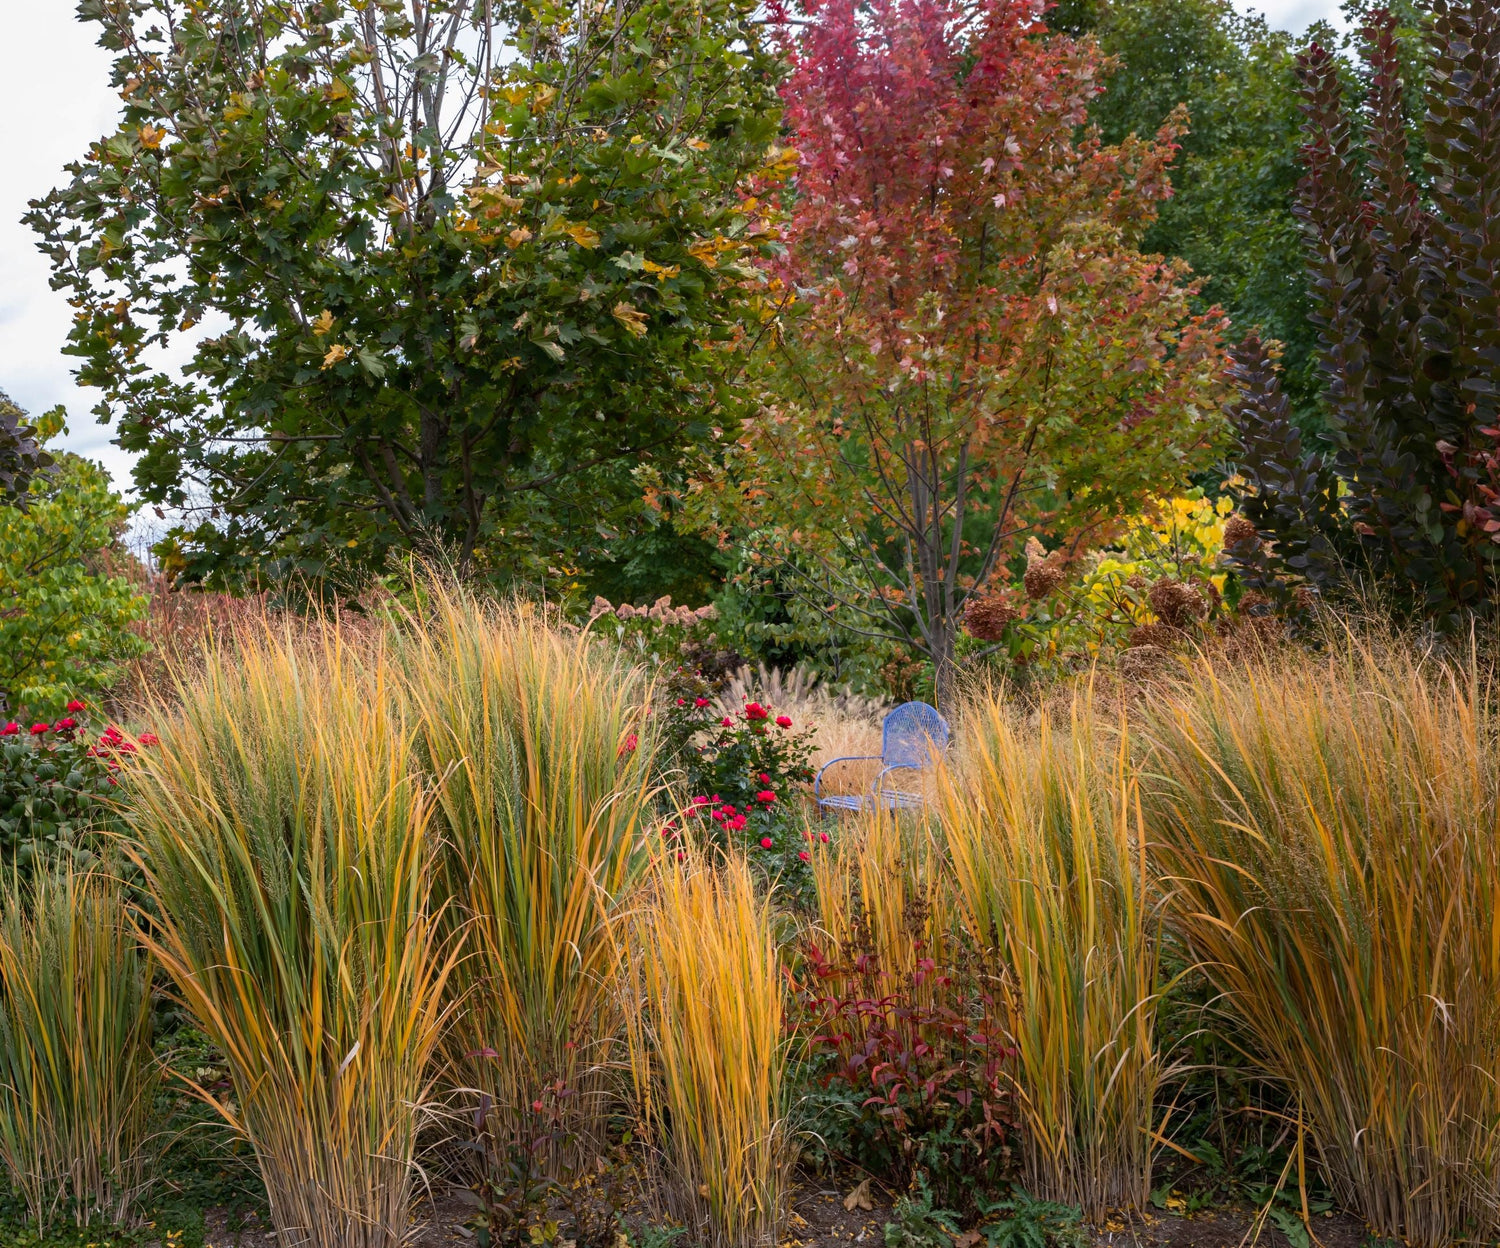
[77,1072]
[287,852]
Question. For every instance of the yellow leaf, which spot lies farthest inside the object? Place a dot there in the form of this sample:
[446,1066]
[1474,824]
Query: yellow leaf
[336,353]
[663,272]
[323,324]
[151,136]
[630,317]
[517,236]
[698,145]
[583,235]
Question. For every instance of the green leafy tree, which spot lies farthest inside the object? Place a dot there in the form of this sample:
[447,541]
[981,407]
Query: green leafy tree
[448,273]
[1235,177]
[64,617]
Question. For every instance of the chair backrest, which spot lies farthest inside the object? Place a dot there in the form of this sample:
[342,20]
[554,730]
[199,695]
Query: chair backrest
[910,734]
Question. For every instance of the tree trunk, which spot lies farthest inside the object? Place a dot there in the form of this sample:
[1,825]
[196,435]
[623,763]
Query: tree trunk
[945,668]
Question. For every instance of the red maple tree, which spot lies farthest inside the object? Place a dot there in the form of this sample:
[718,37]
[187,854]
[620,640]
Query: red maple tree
[972,350]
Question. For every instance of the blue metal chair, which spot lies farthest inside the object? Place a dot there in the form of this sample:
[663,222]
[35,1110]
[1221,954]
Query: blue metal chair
[908,739]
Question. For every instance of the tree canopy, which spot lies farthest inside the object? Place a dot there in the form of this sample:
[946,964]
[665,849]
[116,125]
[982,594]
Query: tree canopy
[973,351]
[446,274]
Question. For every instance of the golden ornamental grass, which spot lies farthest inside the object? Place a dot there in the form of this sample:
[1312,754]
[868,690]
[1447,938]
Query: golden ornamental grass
[287,850]
[882,888]
[77,1074]
[1042,828]
[1332,830]
[709,1049]
[535,744]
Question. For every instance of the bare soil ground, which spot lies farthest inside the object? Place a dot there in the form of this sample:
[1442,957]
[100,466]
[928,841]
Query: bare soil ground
[820,1220]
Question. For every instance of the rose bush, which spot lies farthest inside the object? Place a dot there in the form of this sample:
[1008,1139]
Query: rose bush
[57,782]
[743,773]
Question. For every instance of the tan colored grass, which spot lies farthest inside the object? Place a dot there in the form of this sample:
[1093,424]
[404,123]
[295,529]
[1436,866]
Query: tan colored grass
[77,1072]
[1332,833]
[709,1050]
[1043,832]
[287,849]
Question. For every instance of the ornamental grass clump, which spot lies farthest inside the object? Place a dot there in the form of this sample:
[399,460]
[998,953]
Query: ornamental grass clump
[534,742]
[287,849]
[78,1077]
[709,1049]
[883,890]
[1331,830]
[1050,869]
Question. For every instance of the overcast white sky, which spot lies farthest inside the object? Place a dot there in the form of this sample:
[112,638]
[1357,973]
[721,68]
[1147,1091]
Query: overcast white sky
[55,95]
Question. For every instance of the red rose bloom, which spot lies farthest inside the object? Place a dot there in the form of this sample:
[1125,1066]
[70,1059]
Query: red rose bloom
[823,836]
[764,779]
[150,738]
[627,746]
[63,725]
[766,796]
[700,702]
[765,842]
[75,705]
[737,823]
[783,721]
[802,854]
[10,729]
[727,722]
[38,729]
[754,710]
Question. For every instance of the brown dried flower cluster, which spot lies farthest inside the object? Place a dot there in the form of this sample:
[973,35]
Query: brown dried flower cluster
[1176,603]
[1240,534]
[1044,572]
[986,618]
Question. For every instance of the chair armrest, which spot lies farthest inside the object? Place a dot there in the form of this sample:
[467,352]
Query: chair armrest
[881,775]
[848,758]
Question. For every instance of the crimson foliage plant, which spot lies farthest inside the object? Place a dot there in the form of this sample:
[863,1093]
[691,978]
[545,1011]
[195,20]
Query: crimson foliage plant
[910,1072]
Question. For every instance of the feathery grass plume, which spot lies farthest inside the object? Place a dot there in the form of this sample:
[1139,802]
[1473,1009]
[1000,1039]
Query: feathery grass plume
[1043,831]
[1332,831]
[287,850]
[882,888]
[709,1050]
[540,758]
[77,1074]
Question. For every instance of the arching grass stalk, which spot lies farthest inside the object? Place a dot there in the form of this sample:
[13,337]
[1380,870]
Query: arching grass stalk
[287,850]
[536,746]
[1332,830]
[1044,834]
[709,1049]
[77,1073]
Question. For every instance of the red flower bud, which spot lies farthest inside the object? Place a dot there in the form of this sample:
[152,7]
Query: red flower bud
[766,842]
[764,779]
[823,836]
[802,854]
